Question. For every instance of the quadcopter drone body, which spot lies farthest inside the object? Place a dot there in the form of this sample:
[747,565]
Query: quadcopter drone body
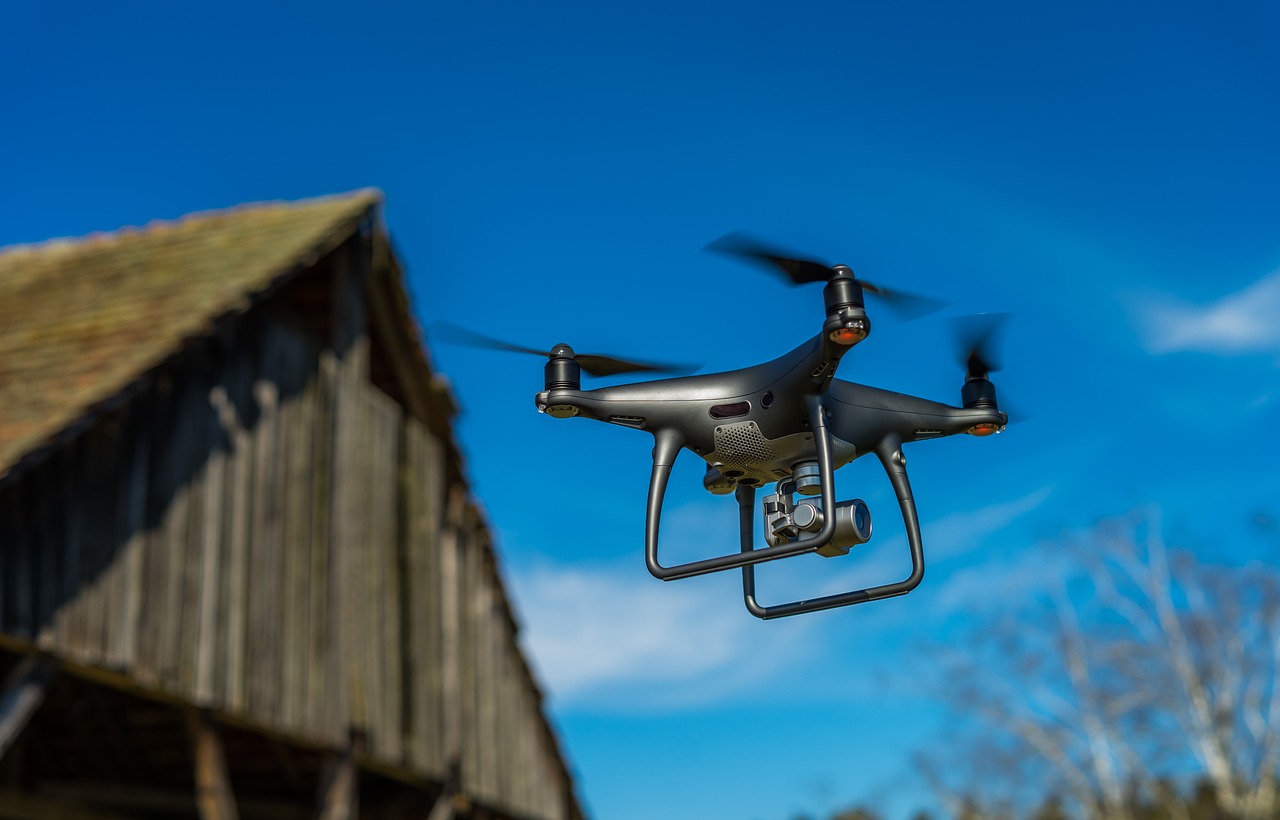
[789,422]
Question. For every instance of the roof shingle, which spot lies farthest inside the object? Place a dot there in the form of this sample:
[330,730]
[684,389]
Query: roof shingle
[82,319]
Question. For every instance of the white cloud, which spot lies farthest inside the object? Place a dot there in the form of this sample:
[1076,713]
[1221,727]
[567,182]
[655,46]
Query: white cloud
[951,537]
[607,634]
[612,634]
[1241,322]
[1001,584]
[963,532]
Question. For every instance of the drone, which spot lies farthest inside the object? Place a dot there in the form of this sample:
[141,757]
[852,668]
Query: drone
[787,422]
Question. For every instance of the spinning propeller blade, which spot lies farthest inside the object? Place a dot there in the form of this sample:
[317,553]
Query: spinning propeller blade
[453,334]
[805,271]
[798,271]
[594,364]
[976,336]
[977,344]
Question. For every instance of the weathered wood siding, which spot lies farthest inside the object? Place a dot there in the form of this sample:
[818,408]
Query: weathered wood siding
[264,533]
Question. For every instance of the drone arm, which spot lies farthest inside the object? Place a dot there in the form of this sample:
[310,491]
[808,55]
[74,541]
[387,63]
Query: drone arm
[890,454]
[667,445]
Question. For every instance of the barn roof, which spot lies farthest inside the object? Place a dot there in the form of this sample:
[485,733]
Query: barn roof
[81,319]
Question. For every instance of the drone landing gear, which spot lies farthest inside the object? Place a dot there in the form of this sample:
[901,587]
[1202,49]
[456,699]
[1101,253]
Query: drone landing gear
[667,446]
[890,453]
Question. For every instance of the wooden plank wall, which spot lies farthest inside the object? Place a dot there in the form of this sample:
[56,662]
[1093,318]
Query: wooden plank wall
[264,533]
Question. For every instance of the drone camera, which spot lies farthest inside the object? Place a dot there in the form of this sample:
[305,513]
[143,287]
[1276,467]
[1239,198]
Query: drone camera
[785,520]
[853,524]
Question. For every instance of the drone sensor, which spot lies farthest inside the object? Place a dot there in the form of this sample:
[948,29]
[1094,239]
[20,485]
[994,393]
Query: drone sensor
[848,335]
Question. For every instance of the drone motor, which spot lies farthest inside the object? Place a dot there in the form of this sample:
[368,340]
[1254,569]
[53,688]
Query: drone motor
[976,342]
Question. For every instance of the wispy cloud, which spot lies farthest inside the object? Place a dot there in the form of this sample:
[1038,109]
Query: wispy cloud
[947,540]
[1017,578]
[963,532]
[609,634]
[603,634]
[1240,322]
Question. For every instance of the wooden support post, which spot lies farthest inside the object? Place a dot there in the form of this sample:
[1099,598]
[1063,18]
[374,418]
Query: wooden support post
[442,809]
[449,799]
[214,799]
[24,691]
[340,787]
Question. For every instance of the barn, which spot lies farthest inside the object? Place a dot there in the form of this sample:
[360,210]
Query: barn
[241,572]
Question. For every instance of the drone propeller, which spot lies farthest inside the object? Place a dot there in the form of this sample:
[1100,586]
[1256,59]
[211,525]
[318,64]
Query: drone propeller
[805,271]
[977,337]
[594,364]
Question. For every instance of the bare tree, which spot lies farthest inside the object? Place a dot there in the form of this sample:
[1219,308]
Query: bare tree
[1120,689]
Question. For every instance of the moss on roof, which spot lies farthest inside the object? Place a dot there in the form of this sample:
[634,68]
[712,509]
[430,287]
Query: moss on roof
[82,319]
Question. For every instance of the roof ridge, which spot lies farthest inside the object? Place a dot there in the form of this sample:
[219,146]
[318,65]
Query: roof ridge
[65,244]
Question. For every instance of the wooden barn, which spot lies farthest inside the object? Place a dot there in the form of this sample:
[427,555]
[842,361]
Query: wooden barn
[241,574]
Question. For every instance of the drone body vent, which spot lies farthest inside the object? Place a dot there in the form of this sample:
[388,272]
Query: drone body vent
[742,444]
[743,447]
[742,452]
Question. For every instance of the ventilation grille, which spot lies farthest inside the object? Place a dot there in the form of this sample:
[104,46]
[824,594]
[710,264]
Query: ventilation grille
[628,421]
[742,444]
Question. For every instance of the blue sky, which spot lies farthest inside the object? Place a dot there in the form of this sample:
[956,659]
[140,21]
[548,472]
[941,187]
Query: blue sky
[1105,172]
